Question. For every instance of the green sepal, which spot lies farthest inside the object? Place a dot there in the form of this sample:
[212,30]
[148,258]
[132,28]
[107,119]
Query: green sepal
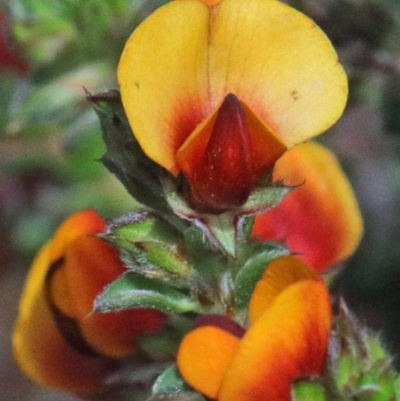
[263,198]
[124,157]
[219,229]
[308,391]
[170,382]
[245,227]
[362,369]
[184,396]
[132,290]
[225,230]
[151,247]
[256,258]
[397,387]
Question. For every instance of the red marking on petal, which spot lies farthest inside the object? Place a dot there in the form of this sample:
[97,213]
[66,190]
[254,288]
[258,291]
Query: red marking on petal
[226,154]
[218,161]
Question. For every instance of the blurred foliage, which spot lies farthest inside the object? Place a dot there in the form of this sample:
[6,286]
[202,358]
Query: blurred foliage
[50,137]
[50,141]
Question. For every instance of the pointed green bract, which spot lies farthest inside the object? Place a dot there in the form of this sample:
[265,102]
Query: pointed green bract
[170,381]
[306,391]
[255,264]
[134,291]
[360,366]
[124,157]
[184,396]
[150,246]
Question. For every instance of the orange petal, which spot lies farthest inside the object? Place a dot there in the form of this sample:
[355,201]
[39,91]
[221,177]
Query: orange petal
[205,353]
[320,219]
[90,265]
[172,82]
[85,222]
[289,341]
[278,275]
[40,350]
[78,225]
[265,146]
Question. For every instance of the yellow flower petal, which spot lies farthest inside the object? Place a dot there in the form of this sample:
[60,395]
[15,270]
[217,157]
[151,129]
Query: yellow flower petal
[163,79]
[40,350]
[288,341]
[186,57]
[279,63]
[208,3]
[278,275]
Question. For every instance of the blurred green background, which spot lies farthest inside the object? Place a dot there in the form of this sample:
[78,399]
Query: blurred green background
[50,142]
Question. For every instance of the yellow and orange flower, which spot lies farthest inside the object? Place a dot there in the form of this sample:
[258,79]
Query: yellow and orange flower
[290,320]
[58,341]
[218,90]
[319,219]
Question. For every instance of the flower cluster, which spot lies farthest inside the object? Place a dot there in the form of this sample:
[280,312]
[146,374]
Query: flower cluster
[241,215]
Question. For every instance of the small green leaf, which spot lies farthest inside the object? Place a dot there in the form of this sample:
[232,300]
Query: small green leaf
[223,228]
[185,396]
[264,198]
[397,386]
[151,247]
[170,381]
[347,372]
[124,156]
[254,266]
[135,291]
[245,227]
[144,226]
[307,391]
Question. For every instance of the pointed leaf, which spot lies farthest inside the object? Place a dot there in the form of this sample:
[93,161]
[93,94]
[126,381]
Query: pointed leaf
[151,247]
[124,157]
[264,197]
[184,396]
[170,381]
[223,228]
[144,226]
[134,291]
[305,391]
[220,229]
[253,269]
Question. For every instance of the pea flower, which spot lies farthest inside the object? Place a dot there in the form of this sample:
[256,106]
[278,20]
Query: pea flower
[58,341]
[218,90]
[290,320]
[319,219]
